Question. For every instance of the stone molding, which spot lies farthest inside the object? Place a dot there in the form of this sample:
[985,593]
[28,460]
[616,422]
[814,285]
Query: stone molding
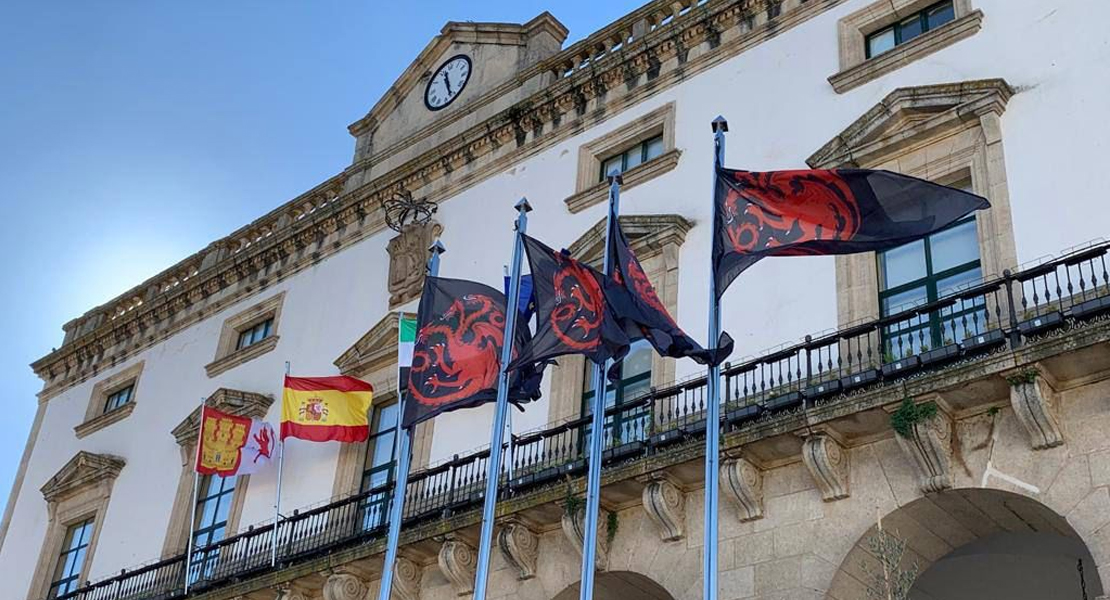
[647,235]
[520,545]
[929,42]
[289,592]
[744,483]
[827,462]
[344,586]
[664,503]
[234,402]
[227,355]
[592,85]
[408,255]
[1034,405]
[929,449]
[84,470]
[574,527]
[375,349]
[458,560]
[95,417]
[406,579]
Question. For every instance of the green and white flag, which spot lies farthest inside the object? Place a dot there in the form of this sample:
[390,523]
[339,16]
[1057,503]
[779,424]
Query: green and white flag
[406,339]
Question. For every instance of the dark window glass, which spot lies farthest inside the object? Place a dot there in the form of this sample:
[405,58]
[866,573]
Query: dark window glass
[214,498]
[67,573]
[909,28]
[119,398]
[379,470]
[622,161]
[255,333]
[623,427]
[921,272]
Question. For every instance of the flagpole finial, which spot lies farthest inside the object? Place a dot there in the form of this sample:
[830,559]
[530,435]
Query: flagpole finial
[437,247]
[523,205]
[720,124]
[616,177]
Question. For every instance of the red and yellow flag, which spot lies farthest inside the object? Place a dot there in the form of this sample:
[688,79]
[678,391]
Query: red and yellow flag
[323,409]
[232,445]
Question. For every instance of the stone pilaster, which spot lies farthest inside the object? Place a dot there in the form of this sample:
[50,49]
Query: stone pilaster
[664,503]
[929,449]
[574,527]
[520,546]
[342,585]
[743,483]
[828,464]
[1034,404]
[457,560]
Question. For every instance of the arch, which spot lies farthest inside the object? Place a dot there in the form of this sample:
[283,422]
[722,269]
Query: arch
[975,540]
[619,585]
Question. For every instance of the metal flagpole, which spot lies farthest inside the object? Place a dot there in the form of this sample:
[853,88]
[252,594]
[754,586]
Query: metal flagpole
[277,494]
[597,432]
[403,452]
[196,494]
[509,414]
[497,432]
[713,390]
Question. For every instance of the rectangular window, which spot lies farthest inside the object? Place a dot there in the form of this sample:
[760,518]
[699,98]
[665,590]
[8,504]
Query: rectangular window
[640,153]
[379,470]
[922,272]
[213,507]
[623,427]
[910,28]
[118,398]
[71,561]
[255,333]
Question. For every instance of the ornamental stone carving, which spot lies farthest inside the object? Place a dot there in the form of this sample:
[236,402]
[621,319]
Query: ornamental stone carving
[406,579]
[344,586]
[458,560]
[928,448]
[664,503]
[743,483]
[408,252]
[1034,405]
[287,592]
[828,464]
[574,527]
[520,546]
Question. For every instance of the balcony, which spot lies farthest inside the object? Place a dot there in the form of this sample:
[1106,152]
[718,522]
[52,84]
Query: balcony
[959,350]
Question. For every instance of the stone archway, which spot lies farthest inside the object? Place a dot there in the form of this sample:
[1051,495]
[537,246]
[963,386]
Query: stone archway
[978,543]
[620,585]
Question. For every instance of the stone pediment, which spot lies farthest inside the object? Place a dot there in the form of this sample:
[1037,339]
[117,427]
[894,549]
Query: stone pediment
[909,115]
[234,402]
[498,51]
[647,235]
[375,349]
[85,469]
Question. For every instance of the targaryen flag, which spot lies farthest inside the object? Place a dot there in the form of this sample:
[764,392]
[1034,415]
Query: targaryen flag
[793,213]
[572,312]
[642,312]
[457,355]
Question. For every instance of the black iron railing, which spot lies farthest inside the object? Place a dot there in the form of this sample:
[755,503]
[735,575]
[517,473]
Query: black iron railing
[1009,310]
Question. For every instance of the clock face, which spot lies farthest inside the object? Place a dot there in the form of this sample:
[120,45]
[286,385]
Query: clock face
[447,82]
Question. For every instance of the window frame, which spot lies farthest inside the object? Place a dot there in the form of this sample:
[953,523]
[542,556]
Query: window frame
[375,506]
[98,415]
[84,545]
[922,17]
[229,354]
[202,556]
[643,146]
[112,401]
[248,332]
[618,420]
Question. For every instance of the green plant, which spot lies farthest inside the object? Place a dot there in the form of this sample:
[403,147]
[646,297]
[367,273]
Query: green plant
[994,410]
[910,414]
[612,523]
[890,581]
[572,503]
[1024,376]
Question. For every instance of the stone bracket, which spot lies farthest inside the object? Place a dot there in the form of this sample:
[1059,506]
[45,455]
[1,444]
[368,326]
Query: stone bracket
[406,579]
[664,502]
[520,546]
[574,527]
[828,464]
[929,449]
[1034,406]
[744,483]
[457,560]
[344,586]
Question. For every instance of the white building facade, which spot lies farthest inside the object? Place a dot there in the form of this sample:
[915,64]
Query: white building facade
[994,96]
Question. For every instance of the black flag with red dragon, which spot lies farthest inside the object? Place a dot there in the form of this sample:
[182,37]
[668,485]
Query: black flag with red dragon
[457,355]
[820,212]
[573,313]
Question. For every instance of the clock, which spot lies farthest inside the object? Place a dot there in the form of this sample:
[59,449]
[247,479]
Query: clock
[447,82]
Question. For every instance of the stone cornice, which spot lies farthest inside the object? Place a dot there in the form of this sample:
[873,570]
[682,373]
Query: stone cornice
[83,470]
[377,346]
[234,402]
[598,77]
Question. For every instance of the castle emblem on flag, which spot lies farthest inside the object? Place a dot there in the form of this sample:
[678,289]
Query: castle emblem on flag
[232,445]
[314,409]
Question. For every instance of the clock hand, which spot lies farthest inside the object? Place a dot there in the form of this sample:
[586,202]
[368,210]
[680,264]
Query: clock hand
[447,82]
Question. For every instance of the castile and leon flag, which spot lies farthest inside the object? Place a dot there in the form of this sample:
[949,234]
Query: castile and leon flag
[232,445]
[325,409]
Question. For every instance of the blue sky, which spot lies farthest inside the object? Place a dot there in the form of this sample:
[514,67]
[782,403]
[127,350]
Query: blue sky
[134,133]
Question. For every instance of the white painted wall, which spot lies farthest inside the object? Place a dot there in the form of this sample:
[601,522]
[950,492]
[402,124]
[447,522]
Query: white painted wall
[780,108]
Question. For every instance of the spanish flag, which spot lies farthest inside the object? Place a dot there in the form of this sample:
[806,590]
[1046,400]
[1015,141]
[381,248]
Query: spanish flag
[322,409]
